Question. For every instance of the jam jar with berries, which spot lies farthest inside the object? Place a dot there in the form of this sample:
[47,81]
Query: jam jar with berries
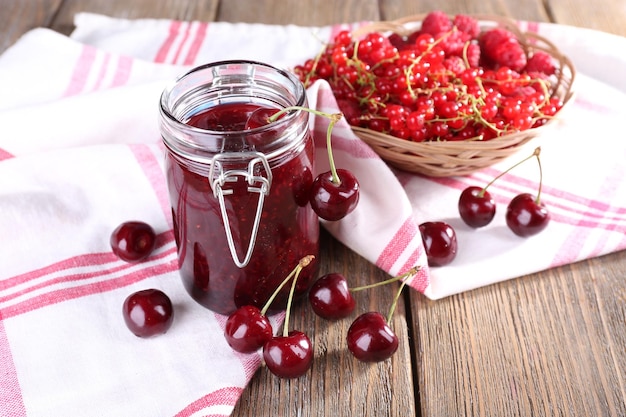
[239,167]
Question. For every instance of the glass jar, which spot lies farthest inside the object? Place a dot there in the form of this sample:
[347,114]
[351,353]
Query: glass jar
[239,190]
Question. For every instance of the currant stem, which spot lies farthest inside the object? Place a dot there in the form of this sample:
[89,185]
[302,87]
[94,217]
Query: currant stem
[301,264]
[534,154]
[410,273]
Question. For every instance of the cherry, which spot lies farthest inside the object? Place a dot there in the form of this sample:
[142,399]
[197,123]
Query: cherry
[260,117]
[247,329]
[333,197]
[133,241]
[370,339]
[526,216]
[289,356]
[440,242]
[148,312]
[476,206]
[330,297]
[334,193]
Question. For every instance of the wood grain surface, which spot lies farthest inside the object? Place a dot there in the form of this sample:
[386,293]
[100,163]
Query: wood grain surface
[547,344]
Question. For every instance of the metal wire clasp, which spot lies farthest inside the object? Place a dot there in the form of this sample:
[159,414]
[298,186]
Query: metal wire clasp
[257,183]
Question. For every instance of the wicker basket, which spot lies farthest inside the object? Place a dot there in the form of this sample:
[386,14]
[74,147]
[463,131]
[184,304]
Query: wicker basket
[450,158]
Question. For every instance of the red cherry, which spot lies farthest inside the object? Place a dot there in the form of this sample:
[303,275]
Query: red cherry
[260,118]
[333,201]
[440,242]
[370,339]
[525,216]
[133,241]
[289,356]
[476,207]
[247,329]
[148,312]
[330,297]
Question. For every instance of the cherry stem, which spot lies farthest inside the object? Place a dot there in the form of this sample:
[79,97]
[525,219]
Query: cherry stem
[296,271]
[410,273]
[540,175]
[333,117]
[535,153]
[302,264]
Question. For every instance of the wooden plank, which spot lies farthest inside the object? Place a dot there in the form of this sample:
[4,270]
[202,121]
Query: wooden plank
[19,16]
[298,12]
[605,15]
[338,384]
[523,9]
[136,9]
[546,344]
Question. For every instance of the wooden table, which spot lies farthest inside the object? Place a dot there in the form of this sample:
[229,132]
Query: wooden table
[547,344]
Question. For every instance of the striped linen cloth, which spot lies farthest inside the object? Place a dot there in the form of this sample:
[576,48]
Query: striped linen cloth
[80,153]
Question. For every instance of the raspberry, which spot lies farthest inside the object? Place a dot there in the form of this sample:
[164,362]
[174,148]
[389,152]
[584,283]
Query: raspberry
[541,62]
[454,64]
[467,24]
[436,23]
[502,48]
[453,42]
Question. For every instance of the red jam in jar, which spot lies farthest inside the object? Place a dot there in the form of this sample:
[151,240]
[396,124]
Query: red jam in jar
[239,191]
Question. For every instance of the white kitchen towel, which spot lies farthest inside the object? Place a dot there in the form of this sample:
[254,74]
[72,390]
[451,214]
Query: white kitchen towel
[80,152]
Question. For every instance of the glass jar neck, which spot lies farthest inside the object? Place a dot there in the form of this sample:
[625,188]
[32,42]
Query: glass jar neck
[233,83]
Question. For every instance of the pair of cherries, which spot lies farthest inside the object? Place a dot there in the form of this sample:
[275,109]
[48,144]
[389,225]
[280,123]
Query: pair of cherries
[248,329]
[334,193]
[526,215]
[370,337]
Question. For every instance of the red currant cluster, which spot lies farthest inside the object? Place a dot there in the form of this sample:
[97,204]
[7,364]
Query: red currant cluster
[446,81]
[526,215]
